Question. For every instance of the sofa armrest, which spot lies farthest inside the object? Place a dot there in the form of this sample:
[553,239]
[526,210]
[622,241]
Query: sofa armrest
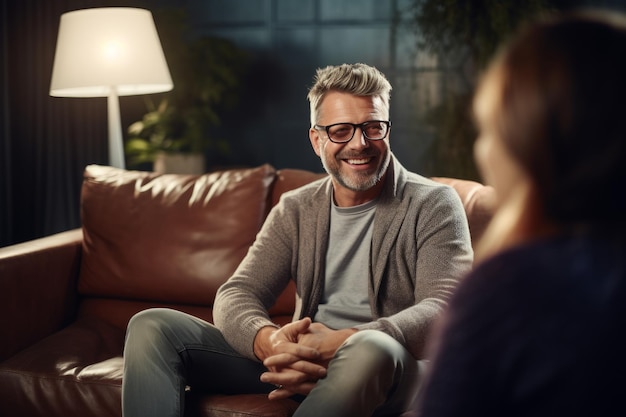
[37,288]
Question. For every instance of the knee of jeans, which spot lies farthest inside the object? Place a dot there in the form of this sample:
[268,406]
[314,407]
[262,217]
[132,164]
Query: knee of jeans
[374,348]
[148,327]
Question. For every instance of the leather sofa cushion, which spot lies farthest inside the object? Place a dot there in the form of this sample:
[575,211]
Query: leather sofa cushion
[74,372]
[170,238]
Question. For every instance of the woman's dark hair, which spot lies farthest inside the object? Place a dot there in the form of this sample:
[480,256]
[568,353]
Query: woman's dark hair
[560,108]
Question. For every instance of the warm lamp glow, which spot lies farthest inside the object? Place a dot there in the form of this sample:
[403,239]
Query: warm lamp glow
[109,52]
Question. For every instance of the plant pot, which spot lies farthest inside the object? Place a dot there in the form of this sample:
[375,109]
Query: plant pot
[179,163]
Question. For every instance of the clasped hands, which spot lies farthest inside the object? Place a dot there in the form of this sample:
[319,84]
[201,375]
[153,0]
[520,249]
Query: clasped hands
[297,355]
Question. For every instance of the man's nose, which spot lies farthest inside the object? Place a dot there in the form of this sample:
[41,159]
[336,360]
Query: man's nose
[359,140]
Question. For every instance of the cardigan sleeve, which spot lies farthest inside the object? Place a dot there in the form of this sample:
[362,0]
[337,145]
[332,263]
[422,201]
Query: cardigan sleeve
[242,303]
[285,248]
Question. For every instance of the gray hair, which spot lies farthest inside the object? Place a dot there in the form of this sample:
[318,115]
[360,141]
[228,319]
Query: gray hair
[357,79]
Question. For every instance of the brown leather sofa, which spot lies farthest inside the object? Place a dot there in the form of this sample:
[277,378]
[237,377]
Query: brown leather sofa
[147,240]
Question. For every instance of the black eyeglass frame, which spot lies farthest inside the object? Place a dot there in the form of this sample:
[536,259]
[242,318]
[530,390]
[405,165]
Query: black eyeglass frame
[354,127]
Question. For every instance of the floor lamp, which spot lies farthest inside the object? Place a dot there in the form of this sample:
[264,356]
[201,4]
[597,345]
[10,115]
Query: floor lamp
[109,52]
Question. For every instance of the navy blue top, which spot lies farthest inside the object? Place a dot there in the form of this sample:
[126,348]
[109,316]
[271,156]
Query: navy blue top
[538,330]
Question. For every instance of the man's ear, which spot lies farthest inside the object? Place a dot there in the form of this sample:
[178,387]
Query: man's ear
[316,140]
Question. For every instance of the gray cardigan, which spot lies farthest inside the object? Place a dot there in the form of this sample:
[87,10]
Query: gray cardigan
[420,249]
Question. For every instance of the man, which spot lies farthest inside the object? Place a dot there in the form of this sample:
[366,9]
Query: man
[374,250]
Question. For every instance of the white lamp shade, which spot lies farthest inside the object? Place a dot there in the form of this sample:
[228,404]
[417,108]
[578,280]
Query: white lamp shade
[105,51]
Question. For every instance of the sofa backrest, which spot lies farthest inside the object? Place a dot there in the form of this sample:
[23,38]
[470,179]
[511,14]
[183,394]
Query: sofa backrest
[168,238]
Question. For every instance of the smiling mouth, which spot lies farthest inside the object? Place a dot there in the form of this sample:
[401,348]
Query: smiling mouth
[359,161]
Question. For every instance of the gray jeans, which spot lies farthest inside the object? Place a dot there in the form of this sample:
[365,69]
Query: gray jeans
[166,351]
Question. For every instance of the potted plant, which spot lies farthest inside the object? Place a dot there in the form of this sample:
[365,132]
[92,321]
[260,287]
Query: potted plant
[179,125]
[465,34]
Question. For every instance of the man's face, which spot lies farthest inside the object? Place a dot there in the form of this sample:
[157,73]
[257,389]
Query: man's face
[360,164]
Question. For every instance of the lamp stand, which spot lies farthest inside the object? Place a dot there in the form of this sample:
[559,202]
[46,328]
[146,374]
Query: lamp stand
[116,145]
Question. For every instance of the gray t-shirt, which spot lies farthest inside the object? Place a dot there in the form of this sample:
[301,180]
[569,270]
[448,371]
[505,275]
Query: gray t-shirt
[345,301]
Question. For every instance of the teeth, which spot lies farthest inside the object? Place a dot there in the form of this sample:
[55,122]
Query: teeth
[358,161]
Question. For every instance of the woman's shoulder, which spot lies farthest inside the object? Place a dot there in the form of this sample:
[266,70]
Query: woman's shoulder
[581,268]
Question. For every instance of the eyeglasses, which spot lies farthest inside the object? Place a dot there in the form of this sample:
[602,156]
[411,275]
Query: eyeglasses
[344,132]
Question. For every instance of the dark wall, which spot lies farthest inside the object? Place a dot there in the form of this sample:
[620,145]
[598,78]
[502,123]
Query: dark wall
[289,40]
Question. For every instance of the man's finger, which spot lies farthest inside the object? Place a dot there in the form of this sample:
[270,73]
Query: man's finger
[293,329]
[287,391]
[296,351]
[309,368]
[286,360]
[287,376]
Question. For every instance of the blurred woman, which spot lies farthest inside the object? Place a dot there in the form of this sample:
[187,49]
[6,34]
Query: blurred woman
[539,327]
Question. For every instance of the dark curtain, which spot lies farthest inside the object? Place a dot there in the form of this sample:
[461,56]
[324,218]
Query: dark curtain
[45,142]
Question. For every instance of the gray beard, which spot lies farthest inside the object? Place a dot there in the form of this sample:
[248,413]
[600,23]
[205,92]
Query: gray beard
[364,185]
